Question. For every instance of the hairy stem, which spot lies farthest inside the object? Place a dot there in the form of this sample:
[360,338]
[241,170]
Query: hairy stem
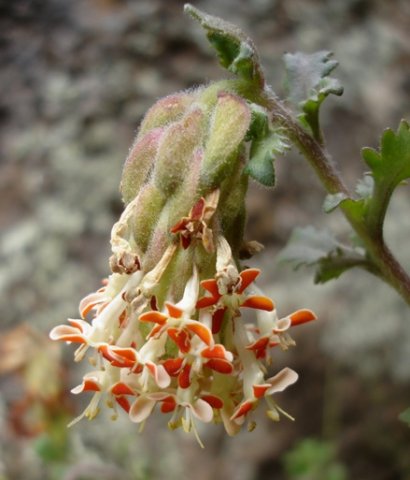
[390,269]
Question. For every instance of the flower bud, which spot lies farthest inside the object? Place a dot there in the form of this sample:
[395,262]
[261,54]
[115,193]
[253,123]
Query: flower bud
[139,163]
[176,151]
[229,122]
[166,110]
[147,213]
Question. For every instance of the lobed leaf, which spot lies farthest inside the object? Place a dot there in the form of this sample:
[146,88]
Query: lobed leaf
[309,246]
[236,52]
[263,153]
[267,142]
[391,165]
[308,83]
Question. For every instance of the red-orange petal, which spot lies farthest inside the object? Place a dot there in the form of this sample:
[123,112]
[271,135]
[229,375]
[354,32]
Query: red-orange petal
[180,338]
[168,405]
[121,388]
[213,400]
[217,319]
[156,329]
[259,347]
[259,302]
[201,331]
[173,310]
[302,316]
[248,276]
[72,338]
[180,225]
[205,302]
[220,365]
[184,378]
[217,351]
[90,386]
[119,357]
[211,286]
[124,403]
[259,390]
[173,366]
[154,317]
[138,368]
[243,409]
[259,344]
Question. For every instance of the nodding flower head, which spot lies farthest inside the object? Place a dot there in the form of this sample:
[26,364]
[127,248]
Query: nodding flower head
[165,331]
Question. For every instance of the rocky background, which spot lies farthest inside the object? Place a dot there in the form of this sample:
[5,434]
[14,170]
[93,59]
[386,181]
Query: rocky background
[75,80]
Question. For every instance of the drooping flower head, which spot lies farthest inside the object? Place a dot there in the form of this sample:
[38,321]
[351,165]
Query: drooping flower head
[166,331]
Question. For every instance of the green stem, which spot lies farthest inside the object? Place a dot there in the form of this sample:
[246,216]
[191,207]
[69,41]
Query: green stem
[378,252]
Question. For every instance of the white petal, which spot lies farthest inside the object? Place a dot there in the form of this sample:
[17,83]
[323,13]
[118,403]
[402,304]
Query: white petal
[161,376]
[202,411]
[158,396]
[188,302]
[282,325]
[281,381]
[62,331]
[93,298]
[266,321]
[141,409]
[231,427]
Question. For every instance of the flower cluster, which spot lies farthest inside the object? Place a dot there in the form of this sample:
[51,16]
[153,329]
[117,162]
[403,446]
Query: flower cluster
[166,328]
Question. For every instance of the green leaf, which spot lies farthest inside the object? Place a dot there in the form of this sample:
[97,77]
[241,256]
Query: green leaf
[308,84]
[405,416]
[259,126]
[319,248]
[389,167]
[235,50]
[263,152]
[392,164]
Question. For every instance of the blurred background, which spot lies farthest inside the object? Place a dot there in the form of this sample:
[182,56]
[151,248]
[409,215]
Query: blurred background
[76,78]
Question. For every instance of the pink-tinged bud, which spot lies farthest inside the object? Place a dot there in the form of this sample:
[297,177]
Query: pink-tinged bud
[150,204]
[176,151]
[139,163]
[166,110]
[229,123]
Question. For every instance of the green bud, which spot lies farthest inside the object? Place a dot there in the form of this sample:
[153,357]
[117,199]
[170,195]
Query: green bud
[138,163]
[233,208]
[176,151]
[208,96]
[229,123]
[166,110]
[150,204]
